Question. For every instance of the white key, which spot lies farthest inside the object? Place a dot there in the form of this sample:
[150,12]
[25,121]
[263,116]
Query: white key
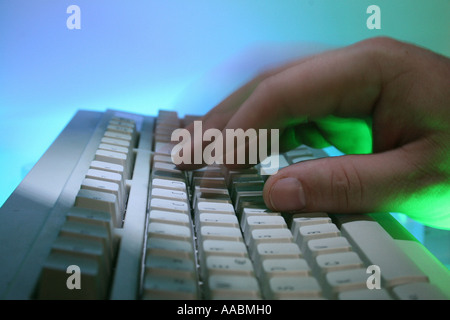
[118,135]
[365,294]
[293,288]
[182,219]
[170,248]
[116,142]
[169,231]
[170,266]
[232,287]
[285,267]
[277,251]
[306,233]
[169,205]
[111,156]
[217,220]
[113,148]
[307,219]
[107,176]
[104,186]
[228,266]
[222,248]
[376,247]
[54,276]
[84,248]
[418,291]
[165,166]
[100,201]
[168,184]
[327,245]
[119,128]
[107,166]
[262,222]
[247,212]
[338,261]
[97,233]
[270,235]
[99,218]
[215,207]
[343,280]
[169,194]
[220,233]
[157,287]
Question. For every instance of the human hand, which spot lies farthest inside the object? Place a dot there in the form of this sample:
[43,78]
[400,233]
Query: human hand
[384,103]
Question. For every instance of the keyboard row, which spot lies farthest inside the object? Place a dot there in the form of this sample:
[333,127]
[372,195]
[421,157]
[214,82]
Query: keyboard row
[86,243]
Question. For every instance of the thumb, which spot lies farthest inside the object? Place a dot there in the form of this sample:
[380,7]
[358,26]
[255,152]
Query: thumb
[346,184]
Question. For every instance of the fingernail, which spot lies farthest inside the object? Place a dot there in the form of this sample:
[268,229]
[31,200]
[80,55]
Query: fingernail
[287,195]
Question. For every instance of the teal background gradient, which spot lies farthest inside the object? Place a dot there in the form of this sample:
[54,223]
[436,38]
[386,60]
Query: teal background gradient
[144,55]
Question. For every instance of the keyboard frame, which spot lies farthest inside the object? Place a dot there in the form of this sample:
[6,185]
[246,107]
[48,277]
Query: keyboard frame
[32,216]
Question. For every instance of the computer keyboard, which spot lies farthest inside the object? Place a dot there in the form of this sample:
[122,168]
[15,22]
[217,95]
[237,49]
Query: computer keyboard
[105,214]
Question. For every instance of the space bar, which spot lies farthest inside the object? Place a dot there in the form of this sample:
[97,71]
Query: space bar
[377,247]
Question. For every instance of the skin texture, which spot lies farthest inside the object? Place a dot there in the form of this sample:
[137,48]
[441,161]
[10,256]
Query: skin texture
[384,103]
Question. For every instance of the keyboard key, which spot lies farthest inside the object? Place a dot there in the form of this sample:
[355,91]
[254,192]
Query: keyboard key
[232,287]
[343,280]
[100,201]
[365,294]
[293,288]
[169,231]
[169,205]
[316,247]
[217,265]
[169,217]
[157,287]
[418,291]
[168,184]
[170,248]
[367,237]
[285,267]
[306,233]
[219,233]
[338,261]
[170,266]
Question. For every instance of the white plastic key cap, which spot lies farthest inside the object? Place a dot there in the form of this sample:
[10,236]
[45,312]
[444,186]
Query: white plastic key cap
[228,266]
[262,222]
[418,291]
[111,156]
[365,294]
[182,219]
[170,248]
[168,184]
[53,280]
[307,219]
[316,247]
[269,235]
[318,231]
[376,247]
[275,251]
[106,166]
[232,287]
[215,207]
[217,219]
[104,186]
[222,248]
[169,194]
[338,261]
[170,266]
[343,280]
[169,205]
[220,233]
[285,267]
[108,176]
[100,201]
[293,288]
[168,231]
[157,287]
